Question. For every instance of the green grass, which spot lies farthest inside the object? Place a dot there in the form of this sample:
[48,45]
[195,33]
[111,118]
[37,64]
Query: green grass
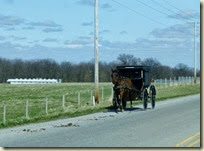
[15,96]
[177,91]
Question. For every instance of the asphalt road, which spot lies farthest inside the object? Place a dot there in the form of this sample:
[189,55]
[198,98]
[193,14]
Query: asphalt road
[174,122]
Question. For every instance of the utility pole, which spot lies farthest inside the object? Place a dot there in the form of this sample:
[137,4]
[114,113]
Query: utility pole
[195,48]
[195,52]
[96,51]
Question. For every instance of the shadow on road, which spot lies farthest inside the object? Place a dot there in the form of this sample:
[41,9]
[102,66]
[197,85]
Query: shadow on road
[134,109]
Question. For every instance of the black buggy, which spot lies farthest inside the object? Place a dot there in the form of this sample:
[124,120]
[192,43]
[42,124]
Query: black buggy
[142,88]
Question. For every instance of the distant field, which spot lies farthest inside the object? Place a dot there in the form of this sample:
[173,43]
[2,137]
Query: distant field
[15,97]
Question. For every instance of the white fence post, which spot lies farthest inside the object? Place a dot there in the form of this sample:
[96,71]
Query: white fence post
[160,83]
[179,80]
[27,109]
[102,94]
[79,98]
[111,92]
[4,114]
[63,100]
[91,95]
[165,80]
[183,79]
[93,101]
[46,106]
[198,79]
[192,80]
[170,84]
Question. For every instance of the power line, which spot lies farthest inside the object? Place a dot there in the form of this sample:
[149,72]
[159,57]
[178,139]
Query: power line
[169,9]
[152,8]
[178,10]
[163,13]
[139,13]
[172,5]
[142,14]
[163,7]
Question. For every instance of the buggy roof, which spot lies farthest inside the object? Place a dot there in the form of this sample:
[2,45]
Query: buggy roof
[145,68]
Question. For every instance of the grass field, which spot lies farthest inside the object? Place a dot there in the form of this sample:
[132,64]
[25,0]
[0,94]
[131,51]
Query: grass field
[15,97]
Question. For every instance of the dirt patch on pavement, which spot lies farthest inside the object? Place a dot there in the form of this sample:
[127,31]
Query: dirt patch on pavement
[67,125]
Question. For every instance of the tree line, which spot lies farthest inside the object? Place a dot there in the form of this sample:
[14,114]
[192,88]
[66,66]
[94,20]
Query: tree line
[84,71]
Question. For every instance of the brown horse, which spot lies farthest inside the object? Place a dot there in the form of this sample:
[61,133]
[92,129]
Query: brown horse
[122,88]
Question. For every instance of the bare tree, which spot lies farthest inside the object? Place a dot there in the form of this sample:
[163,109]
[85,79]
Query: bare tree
[126,59]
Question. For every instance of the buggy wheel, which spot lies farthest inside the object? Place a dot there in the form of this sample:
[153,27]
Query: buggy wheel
[153,95]
[145,99]
[153,101]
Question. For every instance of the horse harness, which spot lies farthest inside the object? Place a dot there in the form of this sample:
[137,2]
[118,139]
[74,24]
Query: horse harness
[125,86]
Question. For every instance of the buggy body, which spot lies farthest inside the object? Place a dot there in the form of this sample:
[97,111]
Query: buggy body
[142,87]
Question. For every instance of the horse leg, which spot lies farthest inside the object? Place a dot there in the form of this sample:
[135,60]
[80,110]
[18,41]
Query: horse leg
[131,101]
[117,103]
[130,94]
[120,102]
[121,105]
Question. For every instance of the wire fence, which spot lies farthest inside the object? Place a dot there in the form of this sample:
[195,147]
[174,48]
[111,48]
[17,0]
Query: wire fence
[72,101]
[165,83]
[44,106]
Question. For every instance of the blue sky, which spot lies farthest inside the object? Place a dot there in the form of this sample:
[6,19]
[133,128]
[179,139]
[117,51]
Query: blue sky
[63,30]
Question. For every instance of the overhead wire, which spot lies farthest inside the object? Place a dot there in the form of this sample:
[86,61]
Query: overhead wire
[152,8]
[181,32]
[139,13]
[163,7]
[161,12]
[178,9]
[169,9]
[142,14]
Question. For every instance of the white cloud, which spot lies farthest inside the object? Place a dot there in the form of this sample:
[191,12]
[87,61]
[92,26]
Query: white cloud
[87,24]
[10,20]
[45,23]
[185,15]
[50,40]
[73,46]
[177,31]
[2,38]
[49,30]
